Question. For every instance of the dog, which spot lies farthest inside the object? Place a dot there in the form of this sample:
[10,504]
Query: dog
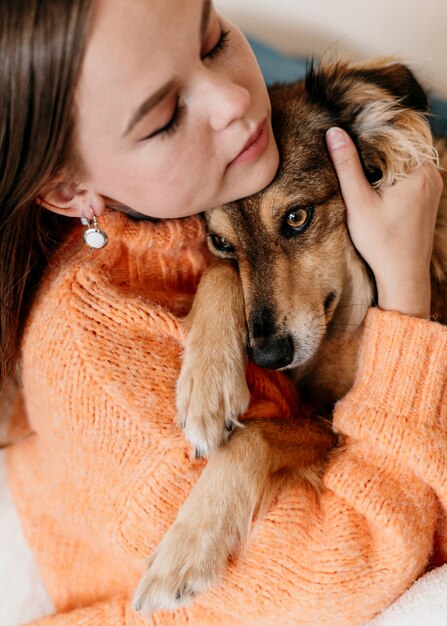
[289,288]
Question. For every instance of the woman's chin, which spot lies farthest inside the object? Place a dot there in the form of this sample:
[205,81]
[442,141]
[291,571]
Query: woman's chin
[254,177]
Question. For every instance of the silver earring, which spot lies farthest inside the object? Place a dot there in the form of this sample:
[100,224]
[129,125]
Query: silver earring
[93,236]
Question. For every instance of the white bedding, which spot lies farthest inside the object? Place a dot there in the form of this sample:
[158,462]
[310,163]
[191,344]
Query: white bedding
[424,604]
[22,594]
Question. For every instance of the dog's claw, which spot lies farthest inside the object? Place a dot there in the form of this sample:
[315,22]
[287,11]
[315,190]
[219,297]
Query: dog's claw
[178,572]
[198,454]
[211,394]
[229,427]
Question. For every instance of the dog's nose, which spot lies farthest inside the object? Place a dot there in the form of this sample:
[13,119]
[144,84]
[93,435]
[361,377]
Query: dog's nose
[275,353]
[262,323]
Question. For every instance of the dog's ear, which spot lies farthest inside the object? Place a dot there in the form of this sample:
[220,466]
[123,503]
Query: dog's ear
[399,80]
[384,109]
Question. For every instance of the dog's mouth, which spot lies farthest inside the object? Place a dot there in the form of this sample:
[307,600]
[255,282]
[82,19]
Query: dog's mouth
[293,349]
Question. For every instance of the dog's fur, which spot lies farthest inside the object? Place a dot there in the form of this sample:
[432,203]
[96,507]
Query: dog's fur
[291,286]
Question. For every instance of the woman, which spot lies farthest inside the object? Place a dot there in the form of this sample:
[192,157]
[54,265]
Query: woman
[153,108]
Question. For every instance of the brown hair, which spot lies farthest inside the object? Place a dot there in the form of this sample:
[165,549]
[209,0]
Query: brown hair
[41,49]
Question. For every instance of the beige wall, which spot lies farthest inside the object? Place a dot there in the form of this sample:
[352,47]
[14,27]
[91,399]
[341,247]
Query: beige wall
[414,29]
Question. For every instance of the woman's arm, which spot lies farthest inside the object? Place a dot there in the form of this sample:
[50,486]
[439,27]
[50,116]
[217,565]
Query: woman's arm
[373,532]
[342,560]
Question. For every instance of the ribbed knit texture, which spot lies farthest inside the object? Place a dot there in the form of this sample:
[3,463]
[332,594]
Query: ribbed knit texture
[101,478]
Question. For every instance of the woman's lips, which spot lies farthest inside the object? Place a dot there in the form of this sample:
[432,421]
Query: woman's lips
[255,146]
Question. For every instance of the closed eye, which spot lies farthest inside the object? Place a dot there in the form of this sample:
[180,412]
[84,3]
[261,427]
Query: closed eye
[173,123]
[220,46]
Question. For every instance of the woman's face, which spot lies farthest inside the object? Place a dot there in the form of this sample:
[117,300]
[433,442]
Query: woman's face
[169,97]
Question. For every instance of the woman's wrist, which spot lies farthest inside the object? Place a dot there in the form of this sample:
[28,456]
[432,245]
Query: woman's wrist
[410,295]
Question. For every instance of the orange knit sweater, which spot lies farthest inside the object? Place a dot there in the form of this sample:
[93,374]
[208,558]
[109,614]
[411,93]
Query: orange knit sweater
[101,477]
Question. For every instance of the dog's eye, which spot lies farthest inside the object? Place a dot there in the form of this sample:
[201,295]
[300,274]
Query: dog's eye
[220,243]
[297,219]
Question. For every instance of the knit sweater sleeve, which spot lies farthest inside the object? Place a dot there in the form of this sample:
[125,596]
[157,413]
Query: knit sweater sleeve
[118,612]
[382,515]
[373,531]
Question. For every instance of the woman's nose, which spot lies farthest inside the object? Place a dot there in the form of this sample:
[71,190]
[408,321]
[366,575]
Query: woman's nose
[225,101]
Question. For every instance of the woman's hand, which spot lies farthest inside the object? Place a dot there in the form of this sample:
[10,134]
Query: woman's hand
[392,228]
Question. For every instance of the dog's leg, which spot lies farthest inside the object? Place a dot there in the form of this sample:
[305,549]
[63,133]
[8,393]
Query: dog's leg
[211,390]
[240,477]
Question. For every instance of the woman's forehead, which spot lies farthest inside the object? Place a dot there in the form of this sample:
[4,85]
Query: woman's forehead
[137,46]
[161,26]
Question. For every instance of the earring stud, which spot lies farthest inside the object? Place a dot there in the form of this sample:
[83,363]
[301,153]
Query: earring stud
[94,237]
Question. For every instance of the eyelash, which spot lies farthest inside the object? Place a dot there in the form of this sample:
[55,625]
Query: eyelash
[173,123]
[220,46]
[170,128]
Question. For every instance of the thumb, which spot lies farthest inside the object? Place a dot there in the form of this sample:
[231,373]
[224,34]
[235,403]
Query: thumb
[353,184]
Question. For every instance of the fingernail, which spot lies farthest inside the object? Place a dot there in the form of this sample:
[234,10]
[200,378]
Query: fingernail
[336,138]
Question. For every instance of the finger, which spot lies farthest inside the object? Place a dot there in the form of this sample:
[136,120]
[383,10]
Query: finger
[354,186]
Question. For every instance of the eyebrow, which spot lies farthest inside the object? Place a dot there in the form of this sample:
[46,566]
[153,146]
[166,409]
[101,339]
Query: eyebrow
[148,104]
[161,93]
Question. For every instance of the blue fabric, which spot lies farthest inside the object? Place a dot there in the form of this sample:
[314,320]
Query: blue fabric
[277,67]
[438,110]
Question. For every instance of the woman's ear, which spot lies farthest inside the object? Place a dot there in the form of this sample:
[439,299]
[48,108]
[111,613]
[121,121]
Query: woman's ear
[71,200]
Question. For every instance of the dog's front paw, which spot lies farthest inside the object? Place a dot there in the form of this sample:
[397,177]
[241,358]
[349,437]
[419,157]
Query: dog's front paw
[180,568]
[210,398]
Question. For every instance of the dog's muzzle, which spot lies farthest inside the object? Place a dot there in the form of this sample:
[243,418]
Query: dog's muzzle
[273,353]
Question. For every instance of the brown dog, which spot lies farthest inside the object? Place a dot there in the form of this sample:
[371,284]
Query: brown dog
[290,286]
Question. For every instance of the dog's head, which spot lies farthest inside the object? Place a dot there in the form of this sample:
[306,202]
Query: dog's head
[304,284]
